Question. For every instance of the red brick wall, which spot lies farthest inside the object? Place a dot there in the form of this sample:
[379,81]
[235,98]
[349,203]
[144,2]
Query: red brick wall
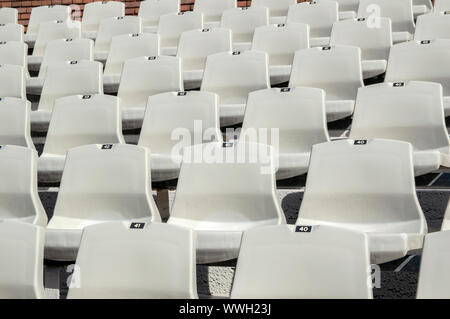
[132,6]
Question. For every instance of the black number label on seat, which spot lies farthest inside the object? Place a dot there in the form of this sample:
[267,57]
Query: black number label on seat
[137,225]
[360,142]
[303,229]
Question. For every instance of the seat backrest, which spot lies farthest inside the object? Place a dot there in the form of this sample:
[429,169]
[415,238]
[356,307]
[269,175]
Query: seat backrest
[172,25]
[348,5]
[81,120]
[306,258]
[12,81]
[406,62]
[277,8]
[146,76]
[319,15]
[120,260]
[337,70]
[298,115]
[195,45]
[111,27]
[237,178]
[399,11]
[337,188]
[95,12]
[106,182]
[54,30]
[399,111]
[212,9]
[127,46]
[11,32]
[18,184]
[441,5]
[431,26]
[243,21]
[281,41]
[192,116]
[375,43]
[21,260]
[232,75]
[15,122]
[151,10]
[66,50]
[15,53]
[434,278]
[8,15]
[70,78]
[47,13]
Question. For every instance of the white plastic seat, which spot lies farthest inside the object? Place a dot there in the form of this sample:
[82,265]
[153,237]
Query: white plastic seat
[44,14]
[65,79]
[21,260]
[280,42]
[15,122]
[337,70]
[432,26]
[118,260]
[399,11]
[212,10]
[124,47]
[111,27]
[411,112]
[434,279]
[233,189]
[298,117]
[11,32]
[422,61]
[12,81]
[278,9]
[172,25]
[59,51]
[242,22]
[348,6]
[320,17]
[441,5]
[100,183]
[95,12]
[19,199]
[189,115]
[143,77]
[285,262]
[78,120]
[48,31]
[151,10]
[15,53]
[195,45]
[232,76]
[375,43]
[338,193]
[8,15]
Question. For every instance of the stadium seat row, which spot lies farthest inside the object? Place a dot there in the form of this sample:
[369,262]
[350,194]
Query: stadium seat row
[106,219]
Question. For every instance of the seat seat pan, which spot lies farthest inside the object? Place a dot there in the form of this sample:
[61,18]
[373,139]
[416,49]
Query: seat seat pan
[279,73]
[30,39]
[387,241]
[292,164]
[402,36]
[132,118]
[277,20]
[90,35]
[337,110]
[346,15]
[171,51]
[50,167]
[63,235]
[35,85]
[447,106]
[150,29]
[242,46]
[101,56]
[319,42]
[192,79]
[231,114]
[40,120]
[111,83]
[427,161]
[372,68]
[217,242]
[164,168]
[34,62]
